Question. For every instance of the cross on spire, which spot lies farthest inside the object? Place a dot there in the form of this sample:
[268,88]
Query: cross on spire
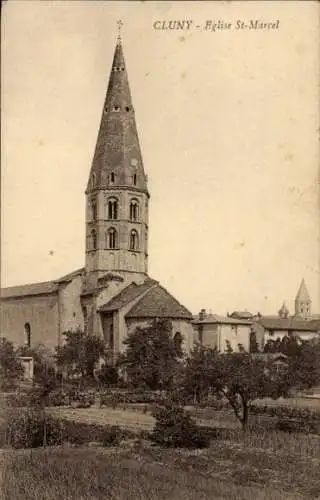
[120,24]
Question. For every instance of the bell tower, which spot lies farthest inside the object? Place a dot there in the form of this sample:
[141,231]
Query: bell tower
[117,196]
[303,302]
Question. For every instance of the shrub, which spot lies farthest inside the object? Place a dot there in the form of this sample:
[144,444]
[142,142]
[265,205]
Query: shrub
[111,436]
[29,428]
[108,375]
[175,428]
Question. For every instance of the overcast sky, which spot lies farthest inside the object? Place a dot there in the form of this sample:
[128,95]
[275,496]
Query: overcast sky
[227,122]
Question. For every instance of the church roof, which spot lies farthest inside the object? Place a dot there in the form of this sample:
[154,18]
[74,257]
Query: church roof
[46,287]
[158,303]
[117,150]
[291,323]
[41,288]
[127,295]
[302,294]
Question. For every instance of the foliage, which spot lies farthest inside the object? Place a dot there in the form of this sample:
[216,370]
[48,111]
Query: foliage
[59,397]
[151,360]
[304,359]
[111,436]
[80,353]
[11,368]
[32,428]
[108,375]
[239,377]
[80,433]
[175,428]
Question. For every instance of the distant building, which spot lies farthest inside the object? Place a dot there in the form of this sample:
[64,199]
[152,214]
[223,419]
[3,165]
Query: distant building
[218,332]
[302,324]
[112,293]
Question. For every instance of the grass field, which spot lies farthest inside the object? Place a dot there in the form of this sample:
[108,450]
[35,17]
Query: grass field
[258,465]
[224,471]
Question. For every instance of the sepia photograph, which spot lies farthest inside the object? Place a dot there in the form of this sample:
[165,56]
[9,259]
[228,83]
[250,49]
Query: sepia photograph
[160,250]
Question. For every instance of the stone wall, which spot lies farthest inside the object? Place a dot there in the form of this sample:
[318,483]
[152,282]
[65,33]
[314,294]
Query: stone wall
[40,311]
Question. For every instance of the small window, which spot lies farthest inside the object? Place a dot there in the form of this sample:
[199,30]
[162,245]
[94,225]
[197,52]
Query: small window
[94,180]
[94,210]
[135,179]
[27,334]
[113,209]
[112,177]
[116,108]
[127,108]
[134,210]
[111,238]
[133,240]
[93,240]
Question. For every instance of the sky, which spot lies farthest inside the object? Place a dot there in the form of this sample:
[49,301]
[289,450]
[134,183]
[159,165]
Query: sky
[228,122]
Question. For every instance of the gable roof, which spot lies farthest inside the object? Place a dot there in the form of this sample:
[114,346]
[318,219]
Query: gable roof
[127,295]
[41,288]
[292,323]
[158,303]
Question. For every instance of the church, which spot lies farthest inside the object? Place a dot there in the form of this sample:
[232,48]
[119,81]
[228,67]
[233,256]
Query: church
[112,294]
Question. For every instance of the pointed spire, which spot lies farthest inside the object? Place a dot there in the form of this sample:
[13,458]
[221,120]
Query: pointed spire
[117,159]
[302,294]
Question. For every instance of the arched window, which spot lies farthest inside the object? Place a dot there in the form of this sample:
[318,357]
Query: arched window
[94,210]
[177,340]
[93,240]
[112,209]
[134,242]
[134,179]
[134,210]
[112,177]
[27,334]
[111,238]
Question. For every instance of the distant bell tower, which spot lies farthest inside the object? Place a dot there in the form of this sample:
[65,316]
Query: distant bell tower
[303,302]
[117,195]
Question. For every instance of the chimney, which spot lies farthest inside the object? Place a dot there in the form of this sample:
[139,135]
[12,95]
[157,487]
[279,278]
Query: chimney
[202,314]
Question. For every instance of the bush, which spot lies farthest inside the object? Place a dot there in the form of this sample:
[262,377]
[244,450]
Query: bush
[111,436]
[175,428]
[108,375]
[29,428]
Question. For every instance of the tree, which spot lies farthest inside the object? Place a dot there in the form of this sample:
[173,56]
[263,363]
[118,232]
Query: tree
[239,377]
[80,354]
[304,366]
[303,359]
[152,356]
[11,369]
